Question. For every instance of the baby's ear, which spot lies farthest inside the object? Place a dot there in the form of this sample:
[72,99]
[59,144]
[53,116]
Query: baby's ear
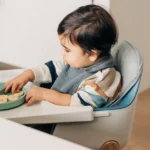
[93,55]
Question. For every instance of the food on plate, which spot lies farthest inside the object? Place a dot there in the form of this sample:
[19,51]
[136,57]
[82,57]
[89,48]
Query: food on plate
[3,99]
[15,96]
[12,97]
[19,93]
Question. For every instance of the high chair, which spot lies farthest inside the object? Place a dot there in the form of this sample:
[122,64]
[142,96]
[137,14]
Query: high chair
[112,124]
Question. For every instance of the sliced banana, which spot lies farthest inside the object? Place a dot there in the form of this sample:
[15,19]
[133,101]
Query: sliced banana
[3,99]
[12,97]
[19,93]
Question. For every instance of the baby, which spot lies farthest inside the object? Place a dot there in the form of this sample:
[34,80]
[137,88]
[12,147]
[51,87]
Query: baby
[85,75]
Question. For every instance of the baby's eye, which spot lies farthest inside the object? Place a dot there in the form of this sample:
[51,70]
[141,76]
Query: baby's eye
[67,50]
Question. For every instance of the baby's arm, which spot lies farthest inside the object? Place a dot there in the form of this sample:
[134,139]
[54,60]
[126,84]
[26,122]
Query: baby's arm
[87,96]
[48,72]
[38,94]
[57,97]
[18,82]
[98,90]
[90,93]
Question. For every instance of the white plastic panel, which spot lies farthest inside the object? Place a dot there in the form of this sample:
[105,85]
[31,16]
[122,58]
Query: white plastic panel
[16,137]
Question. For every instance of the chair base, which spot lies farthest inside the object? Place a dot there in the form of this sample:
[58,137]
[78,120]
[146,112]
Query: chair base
[110,145]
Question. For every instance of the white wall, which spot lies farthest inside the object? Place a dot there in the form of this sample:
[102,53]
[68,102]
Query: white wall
[104,3]
[28,29]
[133,19]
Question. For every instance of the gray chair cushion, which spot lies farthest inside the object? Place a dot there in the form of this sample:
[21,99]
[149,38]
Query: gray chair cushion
[129,63]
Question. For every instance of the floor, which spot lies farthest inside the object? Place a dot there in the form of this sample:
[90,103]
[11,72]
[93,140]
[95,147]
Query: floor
[140,138]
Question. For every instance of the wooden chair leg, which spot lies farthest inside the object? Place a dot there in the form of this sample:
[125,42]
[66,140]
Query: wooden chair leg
[110,145]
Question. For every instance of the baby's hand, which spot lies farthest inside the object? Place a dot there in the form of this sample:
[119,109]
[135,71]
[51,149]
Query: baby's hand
[18,82]
[35,94]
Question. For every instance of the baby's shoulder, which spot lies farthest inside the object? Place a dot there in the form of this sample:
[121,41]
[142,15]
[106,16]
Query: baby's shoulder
[102,78]
[105,74]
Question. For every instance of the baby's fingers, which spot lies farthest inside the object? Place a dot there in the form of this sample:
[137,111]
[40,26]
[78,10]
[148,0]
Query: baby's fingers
[28,96]
[7,87]
[14,88]
[30,101]
[19,88]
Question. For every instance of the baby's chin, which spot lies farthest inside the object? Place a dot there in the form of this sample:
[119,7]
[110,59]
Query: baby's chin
[76,67]
[73,66]
[79,66]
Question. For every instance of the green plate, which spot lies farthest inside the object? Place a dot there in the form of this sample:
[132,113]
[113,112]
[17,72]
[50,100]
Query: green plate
[13,104]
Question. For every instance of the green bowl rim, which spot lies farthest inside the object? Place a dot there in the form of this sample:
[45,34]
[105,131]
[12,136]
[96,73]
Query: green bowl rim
[20,97]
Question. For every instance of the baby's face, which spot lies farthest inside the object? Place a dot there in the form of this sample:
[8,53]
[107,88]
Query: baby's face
[73,54]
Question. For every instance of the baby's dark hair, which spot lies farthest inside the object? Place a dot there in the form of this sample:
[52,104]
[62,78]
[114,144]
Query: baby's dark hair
[91,27]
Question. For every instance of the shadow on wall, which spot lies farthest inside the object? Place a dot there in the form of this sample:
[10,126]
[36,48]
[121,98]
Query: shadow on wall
[6,66]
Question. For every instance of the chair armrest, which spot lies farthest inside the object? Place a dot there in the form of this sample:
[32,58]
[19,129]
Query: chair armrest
[101,113]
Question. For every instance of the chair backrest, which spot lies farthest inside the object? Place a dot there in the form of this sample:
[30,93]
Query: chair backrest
[129,63]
